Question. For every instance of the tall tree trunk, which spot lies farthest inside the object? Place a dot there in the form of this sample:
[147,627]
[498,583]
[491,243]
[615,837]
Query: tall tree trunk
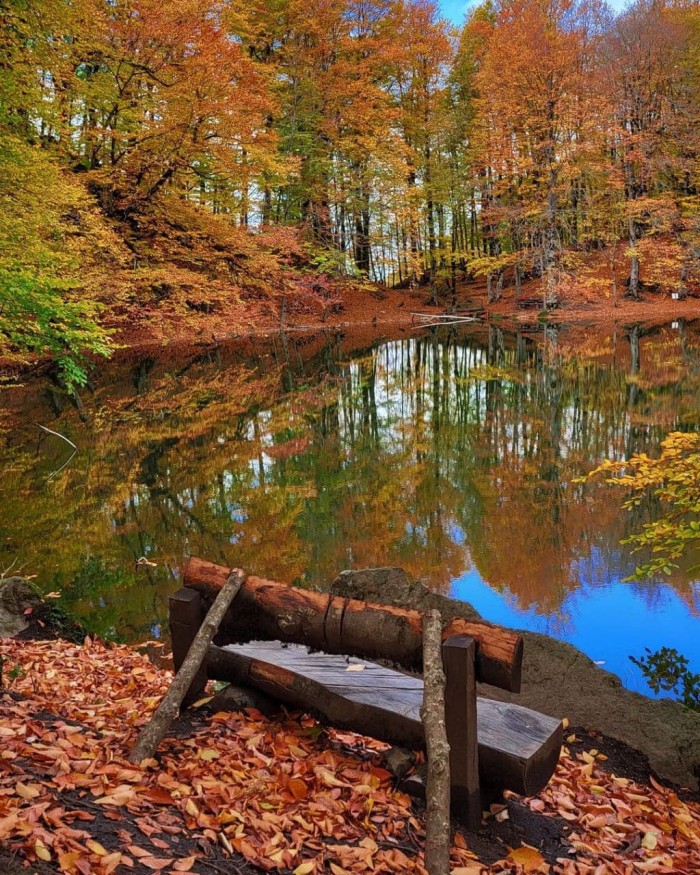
[633,281]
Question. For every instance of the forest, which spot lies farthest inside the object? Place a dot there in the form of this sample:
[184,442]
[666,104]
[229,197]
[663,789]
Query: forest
[362,139]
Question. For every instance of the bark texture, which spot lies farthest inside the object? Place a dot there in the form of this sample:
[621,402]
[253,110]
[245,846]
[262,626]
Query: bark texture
[269,610]
[437,816]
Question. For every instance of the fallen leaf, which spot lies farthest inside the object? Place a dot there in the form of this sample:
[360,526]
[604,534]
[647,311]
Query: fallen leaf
[298,788]
[650,841]
[96,848]
[27,791]
[529,858]
[42,852]
[208,754]
[156,863]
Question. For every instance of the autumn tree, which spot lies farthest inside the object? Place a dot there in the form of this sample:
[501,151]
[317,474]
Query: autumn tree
[534,105]
[654,119]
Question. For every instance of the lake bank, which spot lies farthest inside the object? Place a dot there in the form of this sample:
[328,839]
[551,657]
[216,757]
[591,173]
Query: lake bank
[364,311]
[561,681]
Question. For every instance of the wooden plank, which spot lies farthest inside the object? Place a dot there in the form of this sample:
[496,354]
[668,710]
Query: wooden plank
[518,749]
[461,718]
[186,615]
[267,609]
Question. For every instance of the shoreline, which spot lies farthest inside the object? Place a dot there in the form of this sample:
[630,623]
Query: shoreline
[369,315]
[381,309]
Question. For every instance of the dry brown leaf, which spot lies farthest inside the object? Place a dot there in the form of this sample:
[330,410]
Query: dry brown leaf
[529,858]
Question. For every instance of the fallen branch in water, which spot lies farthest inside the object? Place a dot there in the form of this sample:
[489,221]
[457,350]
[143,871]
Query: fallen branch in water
[57,434]
[63,438]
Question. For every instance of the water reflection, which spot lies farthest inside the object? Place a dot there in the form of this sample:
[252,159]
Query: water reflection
[451,454]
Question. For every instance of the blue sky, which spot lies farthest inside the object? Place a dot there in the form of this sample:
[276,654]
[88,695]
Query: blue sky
[455,9]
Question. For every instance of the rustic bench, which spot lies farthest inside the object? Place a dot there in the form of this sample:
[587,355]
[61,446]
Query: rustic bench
[315,651]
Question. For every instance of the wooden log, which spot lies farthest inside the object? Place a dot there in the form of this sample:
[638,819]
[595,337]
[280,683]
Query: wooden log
[155,730]
[269,610]
[518,749]
[432,712]
[461,721]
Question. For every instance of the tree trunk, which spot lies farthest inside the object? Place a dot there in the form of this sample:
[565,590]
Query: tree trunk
[437,815]
[633,282]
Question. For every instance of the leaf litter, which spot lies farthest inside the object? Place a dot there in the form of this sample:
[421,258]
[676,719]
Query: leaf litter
[240,785]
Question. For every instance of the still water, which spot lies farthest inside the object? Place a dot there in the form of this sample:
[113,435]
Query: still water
[452,454]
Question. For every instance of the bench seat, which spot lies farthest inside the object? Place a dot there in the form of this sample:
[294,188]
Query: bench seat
[518,748]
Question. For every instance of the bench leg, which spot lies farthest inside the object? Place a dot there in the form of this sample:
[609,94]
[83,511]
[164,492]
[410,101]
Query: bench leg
[458,655]
[186,616]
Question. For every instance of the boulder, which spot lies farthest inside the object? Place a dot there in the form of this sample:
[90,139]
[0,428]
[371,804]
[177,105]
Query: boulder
[16,596]
[237,698]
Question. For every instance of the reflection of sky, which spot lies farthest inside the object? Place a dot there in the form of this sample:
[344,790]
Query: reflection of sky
[608,621]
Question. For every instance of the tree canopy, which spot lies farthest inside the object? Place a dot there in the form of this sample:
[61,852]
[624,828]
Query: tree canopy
[408,150]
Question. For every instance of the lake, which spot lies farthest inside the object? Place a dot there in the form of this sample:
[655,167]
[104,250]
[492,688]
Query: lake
[452,453]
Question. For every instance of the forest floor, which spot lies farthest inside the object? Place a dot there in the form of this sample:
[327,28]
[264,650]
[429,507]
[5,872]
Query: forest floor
[368,311]
[237,792]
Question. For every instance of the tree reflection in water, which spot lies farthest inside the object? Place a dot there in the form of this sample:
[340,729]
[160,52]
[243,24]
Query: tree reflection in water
[449,453]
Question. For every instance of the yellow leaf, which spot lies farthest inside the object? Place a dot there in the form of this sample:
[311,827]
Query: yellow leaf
[330,780]
[96,848]
[42,852]
[201,702]
[650,841]
[67,861]
[305,868]
[208,754]
[529,858]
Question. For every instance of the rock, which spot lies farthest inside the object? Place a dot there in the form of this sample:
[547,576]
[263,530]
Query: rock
[235,698]
[399,761]
[391,586]
[16,596]
[415,783]
[561,681]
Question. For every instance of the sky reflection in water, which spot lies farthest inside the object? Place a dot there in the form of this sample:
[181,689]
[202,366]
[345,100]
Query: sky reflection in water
[607,621]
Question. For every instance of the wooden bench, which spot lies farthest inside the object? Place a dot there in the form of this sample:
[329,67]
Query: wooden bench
[315,652]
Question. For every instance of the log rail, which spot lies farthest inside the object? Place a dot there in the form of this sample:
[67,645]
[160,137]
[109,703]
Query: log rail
[273,611]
